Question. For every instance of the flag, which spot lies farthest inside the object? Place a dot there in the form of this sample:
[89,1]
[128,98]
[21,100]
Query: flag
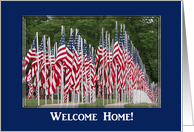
[99,51]
[111,80]
[121,63]
[50,78]
[34,66]
[31,89]
[79,66]
[84,65]
[75,63]
[92,67]
[69,62]
[61,55]
[31,55]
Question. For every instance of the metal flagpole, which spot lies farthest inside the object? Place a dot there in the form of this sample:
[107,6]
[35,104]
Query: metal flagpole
[128,69]
[75,75]
[62,28]
[90,75]
[116,75]
[71,31]
[108,57]
[86,97]
[78,71]
[55,49]
[102,66]
[44,54]
[103,72]
[111,68]
[49,52]
[82,67]
[38,67]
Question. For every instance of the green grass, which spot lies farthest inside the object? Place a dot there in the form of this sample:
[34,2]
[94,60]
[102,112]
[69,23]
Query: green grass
[33,103]
[97,104]
[142,105]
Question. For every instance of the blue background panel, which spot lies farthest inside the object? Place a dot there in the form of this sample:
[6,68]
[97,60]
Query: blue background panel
[168,117]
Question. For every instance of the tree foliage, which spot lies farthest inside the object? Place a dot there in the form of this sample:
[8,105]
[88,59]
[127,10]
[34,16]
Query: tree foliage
[143,32]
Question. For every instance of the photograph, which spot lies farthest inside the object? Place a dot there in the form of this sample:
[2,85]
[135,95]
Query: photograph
[91,61]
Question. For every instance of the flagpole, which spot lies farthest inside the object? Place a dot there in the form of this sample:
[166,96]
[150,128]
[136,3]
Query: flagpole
[71,31]
[44,54]
[78,70]
[62,28]
[102,66]
[116,72]
[49,52]
[108,57]
[90,76]
[55,49]
[103,71]
[128,55]
[82,67]
[111,69]
[38,67]
[75,74]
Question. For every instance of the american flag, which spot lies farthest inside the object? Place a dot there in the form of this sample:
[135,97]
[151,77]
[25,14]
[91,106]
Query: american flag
[69,62]
[44,69]
[120,72]
[124,70]
[103,63]
[31,89]
[79,66]
[112,72]
[155,93]
[99,55]
[88,71]
[61,55]
[75,63]
[99,51]
[92,67]
[33,68]
[117,52]
[50,78]
[31,55]
[102,54]
[128,72]
[84,65]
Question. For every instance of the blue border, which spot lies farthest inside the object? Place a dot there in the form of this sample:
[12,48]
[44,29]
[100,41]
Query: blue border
[15,118]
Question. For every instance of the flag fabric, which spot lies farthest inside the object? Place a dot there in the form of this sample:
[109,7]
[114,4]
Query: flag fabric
[84,66]
[112,72]
[79,66]
[75,64]
[31,55]
[120,70]
[35,63]
[50,78]
[31,89]
[92,67]
[117,57]
[69,62]
[61,55]
[99,51]
[44,69]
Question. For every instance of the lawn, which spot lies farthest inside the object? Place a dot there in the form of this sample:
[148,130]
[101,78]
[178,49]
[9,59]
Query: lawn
[142,105]
[97,104]
[33,103]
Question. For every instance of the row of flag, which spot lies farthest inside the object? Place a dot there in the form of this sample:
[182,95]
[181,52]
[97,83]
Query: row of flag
[116,63]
